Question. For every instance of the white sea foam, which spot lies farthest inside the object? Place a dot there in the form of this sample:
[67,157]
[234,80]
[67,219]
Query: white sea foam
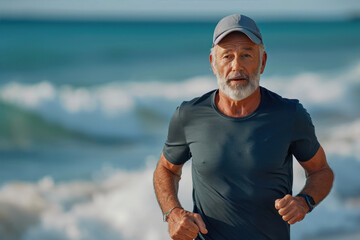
[117,205]
[113,108]
[28,95]
[307,86]
[344,140]
[320,90]
[115,98]
[121,205]
[117,108]
[109,98]
[109,109]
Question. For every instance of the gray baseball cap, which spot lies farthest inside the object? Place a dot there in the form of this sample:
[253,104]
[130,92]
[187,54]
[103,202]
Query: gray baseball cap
[240,23]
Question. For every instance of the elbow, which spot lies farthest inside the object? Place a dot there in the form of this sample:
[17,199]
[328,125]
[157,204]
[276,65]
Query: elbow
[162,172]
[157,173]
[331,176]
[328,177]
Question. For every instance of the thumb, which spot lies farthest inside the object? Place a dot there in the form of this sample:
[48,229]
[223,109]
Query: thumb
[282,202]
[200,223]
[277,205]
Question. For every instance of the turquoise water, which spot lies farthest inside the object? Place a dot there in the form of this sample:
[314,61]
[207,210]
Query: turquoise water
[84,109]
[85,53]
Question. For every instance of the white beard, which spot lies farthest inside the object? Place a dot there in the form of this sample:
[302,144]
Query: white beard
[239,91]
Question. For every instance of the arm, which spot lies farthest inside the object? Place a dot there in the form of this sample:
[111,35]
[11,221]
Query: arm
[182,224]
[319,176]
[319,180]
[166,184]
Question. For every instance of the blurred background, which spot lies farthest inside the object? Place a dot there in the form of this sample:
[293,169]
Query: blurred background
[87,89]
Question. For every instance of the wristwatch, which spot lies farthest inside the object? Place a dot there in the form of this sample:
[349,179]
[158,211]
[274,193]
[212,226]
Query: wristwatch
[309,200]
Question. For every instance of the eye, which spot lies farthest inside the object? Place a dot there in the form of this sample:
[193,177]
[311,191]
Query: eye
[227,57]
[246,55]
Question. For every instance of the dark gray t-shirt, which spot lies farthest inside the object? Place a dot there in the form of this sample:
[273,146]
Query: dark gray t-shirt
[240,166]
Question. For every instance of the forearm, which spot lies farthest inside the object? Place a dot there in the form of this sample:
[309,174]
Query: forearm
[319,180]
[166,185]
[319,184]
[319,176]
[182,224]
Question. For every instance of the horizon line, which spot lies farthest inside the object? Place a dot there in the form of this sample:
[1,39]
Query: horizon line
[171,18]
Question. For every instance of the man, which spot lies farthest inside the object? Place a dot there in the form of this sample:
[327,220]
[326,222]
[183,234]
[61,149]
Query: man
[241,139]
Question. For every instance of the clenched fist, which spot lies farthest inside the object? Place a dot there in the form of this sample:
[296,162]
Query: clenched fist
[184,225]
[292,209]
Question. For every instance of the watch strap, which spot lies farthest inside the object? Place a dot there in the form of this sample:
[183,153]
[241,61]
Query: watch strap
[165,216]
[309,201]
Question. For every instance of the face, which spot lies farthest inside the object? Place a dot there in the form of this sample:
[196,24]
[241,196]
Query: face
[237,63]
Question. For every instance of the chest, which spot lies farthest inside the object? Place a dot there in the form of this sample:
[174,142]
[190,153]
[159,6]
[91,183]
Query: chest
[255,147]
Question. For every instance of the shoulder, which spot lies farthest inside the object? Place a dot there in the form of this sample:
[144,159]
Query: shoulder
[277,102]
[196,107]
[290,109]
[197,103]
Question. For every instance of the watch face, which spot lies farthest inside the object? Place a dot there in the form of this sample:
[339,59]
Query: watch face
[311,200]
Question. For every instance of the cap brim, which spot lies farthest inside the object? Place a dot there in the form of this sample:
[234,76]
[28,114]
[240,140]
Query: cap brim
[249,34]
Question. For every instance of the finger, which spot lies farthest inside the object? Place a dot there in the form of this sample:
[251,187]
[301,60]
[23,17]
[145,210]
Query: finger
[184,237]
[186,232]
[296,218]
[200,223]
[292,213]
[280,203]
[190,235]
[277,204]
[286,209]
[179,237]
[189,227]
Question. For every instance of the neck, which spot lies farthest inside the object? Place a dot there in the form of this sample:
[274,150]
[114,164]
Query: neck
[242,108]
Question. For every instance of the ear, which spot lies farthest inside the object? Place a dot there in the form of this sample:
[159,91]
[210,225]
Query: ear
[211,63]
[263,63]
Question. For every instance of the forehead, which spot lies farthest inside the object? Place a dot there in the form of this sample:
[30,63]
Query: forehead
[236,40]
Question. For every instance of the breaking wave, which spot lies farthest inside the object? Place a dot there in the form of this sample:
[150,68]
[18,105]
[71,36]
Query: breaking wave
[119,204]
[123,108]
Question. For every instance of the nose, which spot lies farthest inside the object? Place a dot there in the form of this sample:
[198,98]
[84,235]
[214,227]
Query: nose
[237,65]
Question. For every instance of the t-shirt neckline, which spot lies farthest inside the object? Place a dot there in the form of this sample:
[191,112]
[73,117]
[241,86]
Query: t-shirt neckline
[236,118]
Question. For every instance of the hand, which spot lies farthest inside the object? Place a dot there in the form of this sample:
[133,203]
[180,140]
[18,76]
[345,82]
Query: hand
[292,209]
[184,225]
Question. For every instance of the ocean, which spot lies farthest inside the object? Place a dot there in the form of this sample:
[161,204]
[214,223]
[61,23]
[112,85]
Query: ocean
[85,107]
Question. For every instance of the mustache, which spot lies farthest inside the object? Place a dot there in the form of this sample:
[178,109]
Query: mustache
[238,75]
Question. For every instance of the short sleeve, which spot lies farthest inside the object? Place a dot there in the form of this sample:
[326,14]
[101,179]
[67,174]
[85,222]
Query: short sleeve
[304,143]
[176,149]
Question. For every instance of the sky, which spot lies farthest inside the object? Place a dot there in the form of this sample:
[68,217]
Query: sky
[185,9]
